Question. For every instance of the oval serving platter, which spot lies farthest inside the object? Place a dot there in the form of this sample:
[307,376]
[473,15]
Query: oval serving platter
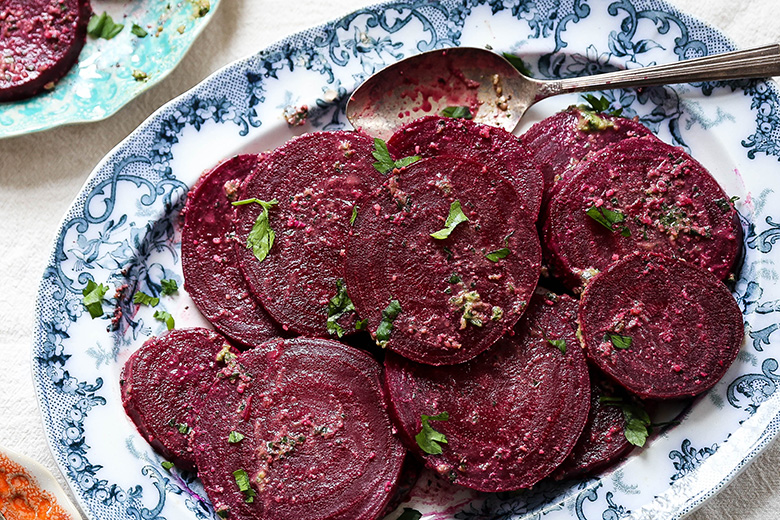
[123,231]
[110,73]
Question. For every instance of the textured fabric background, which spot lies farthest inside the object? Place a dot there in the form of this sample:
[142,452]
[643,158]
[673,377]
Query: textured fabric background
[40,174]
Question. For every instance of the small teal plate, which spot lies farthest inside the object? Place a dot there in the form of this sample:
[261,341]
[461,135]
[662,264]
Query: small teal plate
[102,81]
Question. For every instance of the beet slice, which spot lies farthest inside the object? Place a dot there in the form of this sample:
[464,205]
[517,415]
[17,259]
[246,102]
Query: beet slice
[494,147]
[40,40]
[603,440]
[558,143]
[317,179]
[661,327]
[163,382]
[515,411]
[452,301]
[640,194]
[318,442]
[212,276]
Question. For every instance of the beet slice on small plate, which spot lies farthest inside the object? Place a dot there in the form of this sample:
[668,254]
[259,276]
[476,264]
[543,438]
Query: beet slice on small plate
[442,299]
[316,179]
[301,431]
[640,194]
[509,416]
[163,382]
[661,327]
[212,276]
[496,148]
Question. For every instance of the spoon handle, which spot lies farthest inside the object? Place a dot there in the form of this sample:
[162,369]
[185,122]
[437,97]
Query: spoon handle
[759,62]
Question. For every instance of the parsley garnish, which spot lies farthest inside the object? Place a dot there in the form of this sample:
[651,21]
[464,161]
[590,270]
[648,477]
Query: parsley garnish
[93,298]
[498,254]
[261,238]
[455,217]
[609,218]
[138,31]
[235,437]
[361,324]
[386,325]
[169,286]
[242,481]
[165,317]
[457,112]
[455,278]
[338,306]
[142,298]
[223,513]
[182,428]
[410,514]
[637,425]
[103,26]
[601,104]
[354,215]
[384,163]
[519,64]
[558,343]
[167,465]
[429,440]
[618,341]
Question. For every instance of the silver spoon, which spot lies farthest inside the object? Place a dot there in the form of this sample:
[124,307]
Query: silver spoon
[497,94]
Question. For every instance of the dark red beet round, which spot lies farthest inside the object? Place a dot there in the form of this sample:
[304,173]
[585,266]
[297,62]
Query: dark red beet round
[211,273]
[454,301]
[163,383]
[500,151]
[603,441]
[515,412]
[559,142]
[318,439]
[40,40]
[659,199]
[663,328]
[317,179]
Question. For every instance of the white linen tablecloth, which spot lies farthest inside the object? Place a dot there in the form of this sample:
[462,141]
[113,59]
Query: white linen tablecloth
[40,174]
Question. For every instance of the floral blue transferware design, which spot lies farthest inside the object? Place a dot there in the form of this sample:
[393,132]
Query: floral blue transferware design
[123,231]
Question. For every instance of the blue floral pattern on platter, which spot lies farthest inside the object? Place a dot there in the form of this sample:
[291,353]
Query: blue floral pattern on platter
[102,81]
[122,230]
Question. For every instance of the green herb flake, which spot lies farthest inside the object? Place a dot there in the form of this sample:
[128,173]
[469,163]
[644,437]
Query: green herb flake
[455,217]
[338,306]
[261,238]
[361,324]
[410,514]
[618,341]
[429,440]
[389,315]
[384,163]
[496,313]
[560,344]
[461,112]
[92,299]
[203,7]
[166,318]
[103,26]
[600,105]
[354,215]
[242,481]
[142,298]
[138,31]
[167,465]
[223,513]
[519,64]
[637,421]
[498,254]
[169,286]
[454,278]
[183,428]
[235,437]
[609,219]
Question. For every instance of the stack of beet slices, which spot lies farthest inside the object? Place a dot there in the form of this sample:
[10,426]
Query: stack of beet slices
[429,247]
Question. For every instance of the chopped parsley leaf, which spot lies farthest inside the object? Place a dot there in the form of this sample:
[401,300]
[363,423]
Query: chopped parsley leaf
[460,112]
[183,428]
[261,238]
[498,254]
[354,215]
[429,440]
[601,104]
[242,481]
[165,317]
[142,298]
[455,217]
[361,324]
[609,218]
[386,325]
[169,286]
[519,64]
[410,514]
[454,278]
[235,437]
[560,344]
[138,31]
[167,465]
[618,341]
[103,26]
[385,163]
[338,306]
[92,299]
[637,421]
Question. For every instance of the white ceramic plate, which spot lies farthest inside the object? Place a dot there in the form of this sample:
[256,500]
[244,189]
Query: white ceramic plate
[123,229]
[102,81]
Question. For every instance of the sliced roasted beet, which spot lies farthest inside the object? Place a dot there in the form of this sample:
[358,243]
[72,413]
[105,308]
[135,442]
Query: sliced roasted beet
[317,179]
[441,301]
[514,412]
[640,194]
[163,383]
[559,142]
[317,439]
[661,327]
[500,151]
[603,440]
[212,276]
[40,40]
